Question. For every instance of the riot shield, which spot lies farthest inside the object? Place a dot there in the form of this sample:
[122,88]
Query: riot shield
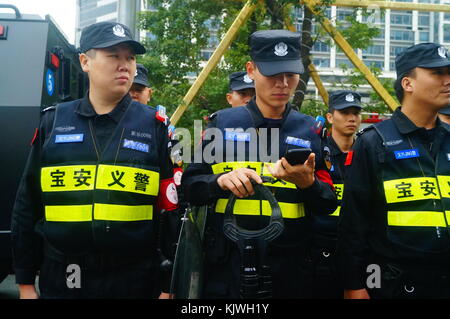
[187,269]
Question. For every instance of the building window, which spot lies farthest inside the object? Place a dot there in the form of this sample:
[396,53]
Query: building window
[374,50]
[343,62]
[447,33]
[424,36]
[396,50]
[424,20]
[86,14]
[402,35]
[375,63]
[401,19]
[321,63]
[321,47]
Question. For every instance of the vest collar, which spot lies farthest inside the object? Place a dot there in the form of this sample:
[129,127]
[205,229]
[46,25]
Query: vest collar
[406,126]
[334,148]
[258,118]
[85,108]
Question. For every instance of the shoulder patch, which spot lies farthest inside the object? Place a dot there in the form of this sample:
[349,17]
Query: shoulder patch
[212,116]
[319,125]
[161,115]
[50,108]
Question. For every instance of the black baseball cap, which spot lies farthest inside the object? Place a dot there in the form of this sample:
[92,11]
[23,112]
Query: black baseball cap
[445,110]
[276,51]
[342,99]
[141,76]
[240,81]
[107,34]
[423,55]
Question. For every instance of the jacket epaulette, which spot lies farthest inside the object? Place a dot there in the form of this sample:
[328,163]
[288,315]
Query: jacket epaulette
[366,129]
[50,108]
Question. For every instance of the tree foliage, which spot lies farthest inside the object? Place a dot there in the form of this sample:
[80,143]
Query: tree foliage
[181,29]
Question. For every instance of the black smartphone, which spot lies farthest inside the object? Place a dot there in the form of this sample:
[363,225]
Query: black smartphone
[297,155]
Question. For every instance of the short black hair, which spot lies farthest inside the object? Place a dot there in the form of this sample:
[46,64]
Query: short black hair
[399,92]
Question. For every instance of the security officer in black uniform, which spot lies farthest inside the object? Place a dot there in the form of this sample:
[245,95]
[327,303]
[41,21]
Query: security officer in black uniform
[394,223]
[140,90]
[242,89]
[444,115]
[344,114]
[99,172]
[301,190]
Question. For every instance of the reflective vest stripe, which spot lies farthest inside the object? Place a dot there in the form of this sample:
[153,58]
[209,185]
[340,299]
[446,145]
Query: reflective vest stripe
[230,166]
[410,189]
[257,207]
[83,213]
[259,167]
[418,218]
[444,185]
[68,178]
[128,179]
[66,213]
[339,190]
[109,177]
[266,172]
[123,213]
[336,212]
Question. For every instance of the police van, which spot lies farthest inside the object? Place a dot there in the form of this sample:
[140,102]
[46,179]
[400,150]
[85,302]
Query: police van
[39,68]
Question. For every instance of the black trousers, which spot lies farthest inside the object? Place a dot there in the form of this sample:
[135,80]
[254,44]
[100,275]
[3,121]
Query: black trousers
[100,278]
[289,270]
[405,282]
[324,270]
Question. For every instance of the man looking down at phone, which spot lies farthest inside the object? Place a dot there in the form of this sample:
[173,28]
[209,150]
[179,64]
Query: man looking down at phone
[301,190]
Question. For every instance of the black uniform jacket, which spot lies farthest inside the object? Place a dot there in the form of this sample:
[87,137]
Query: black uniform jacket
[29,211]
[200,182]
[325,226]
[392,210]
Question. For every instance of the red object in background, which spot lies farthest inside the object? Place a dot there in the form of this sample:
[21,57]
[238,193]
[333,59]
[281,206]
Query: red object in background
[2,31]
[373,119]
[54,61]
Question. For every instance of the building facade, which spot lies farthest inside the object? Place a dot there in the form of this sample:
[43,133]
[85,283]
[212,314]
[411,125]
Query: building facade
[92,11]
[398,30]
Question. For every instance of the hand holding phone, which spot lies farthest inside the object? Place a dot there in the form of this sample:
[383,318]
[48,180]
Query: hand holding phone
[298,155]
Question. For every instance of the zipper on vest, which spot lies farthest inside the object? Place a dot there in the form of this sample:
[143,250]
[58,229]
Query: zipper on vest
[96,177]
[440,194]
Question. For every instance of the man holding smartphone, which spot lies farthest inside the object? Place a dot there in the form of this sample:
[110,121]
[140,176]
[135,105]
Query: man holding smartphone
[344,114]
[301,190]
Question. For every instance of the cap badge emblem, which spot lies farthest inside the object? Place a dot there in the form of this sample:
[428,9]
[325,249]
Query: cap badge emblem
[119,31]
[281,49]
[247,79]
[442,52]
[350,98]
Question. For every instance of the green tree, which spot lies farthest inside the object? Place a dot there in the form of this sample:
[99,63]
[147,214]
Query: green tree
[181,29]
